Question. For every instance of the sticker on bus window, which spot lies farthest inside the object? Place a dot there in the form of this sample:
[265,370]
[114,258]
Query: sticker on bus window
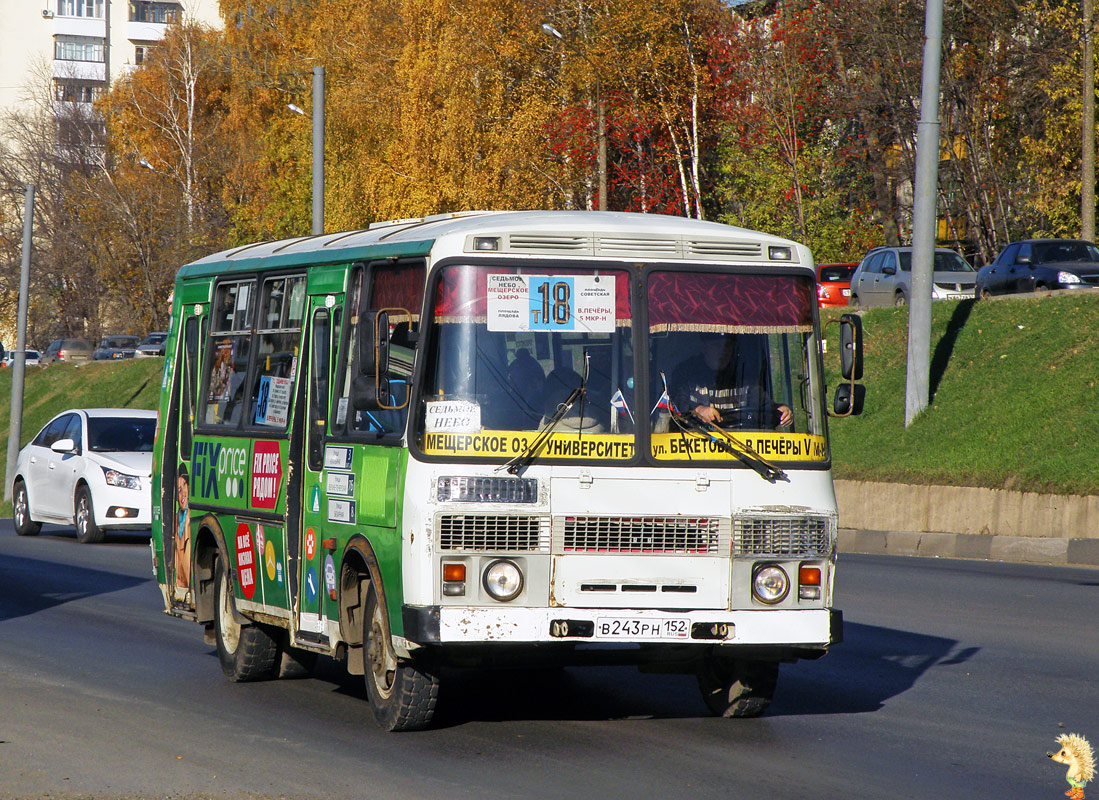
[452,416]
[551,303]
[273,401]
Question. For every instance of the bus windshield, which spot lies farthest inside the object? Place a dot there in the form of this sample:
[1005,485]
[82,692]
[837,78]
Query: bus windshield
[510,346]
[735,352]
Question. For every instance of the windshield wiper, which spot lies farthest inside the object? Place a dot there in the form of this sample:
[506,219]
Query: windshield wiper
[530,452]
[728,443]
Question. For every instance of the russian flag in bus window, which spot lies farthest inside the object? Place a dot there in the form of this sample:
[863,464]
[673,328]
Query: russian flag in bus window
[665,403]
[618,404]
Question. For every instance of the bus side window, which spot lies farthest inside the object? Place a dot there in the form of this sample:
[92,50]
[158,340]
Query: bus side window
[320,352]
[278,335]
[190,373]
[228,350]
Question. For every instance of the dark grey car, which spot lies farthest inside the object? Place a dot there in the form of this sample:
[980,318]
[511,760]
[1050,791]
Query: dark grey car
[1037,264]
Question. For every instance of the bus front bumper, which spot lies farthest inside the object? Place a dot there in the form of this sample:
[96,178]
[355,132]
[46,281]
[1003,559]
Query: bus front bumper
[810,628]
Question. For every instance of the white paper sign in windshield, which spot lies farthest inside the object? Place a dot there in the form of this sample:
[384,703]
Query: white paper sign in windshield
[551,303]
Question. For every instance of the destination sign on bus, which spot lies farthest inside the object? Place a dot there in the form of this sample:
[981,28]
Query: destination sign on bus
[551,303]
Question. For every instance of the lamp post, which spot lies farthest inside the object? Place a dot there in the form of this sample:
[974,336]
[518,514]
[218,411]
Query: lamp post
[318,148]
[601,123]
[15,425]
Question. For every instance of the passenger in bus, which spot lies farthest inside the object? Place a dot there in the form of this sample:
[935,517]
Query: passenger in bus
[526,385]
[726,383]
[561,383]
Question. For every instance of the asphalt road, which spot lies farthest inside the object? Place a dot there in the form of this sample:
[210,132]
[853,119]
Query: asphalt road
[953,682]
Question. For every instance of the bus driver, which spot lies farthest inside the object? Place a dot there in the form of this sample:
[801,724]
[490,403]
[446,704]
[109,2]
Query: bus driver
[726,384]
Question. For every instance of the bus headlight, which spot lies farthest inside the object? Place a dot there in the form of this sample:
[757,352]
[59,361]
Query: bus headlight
[503,580]
[770,584]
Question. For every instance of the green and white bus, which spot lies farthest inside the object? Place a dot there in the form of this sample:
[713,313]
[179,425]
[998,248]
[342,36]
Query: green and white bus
[515,438]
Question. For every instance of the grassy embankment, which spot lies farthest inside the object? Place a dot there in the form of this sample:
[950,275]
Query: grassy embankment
[133,383]
[1014,400]
[1013,381]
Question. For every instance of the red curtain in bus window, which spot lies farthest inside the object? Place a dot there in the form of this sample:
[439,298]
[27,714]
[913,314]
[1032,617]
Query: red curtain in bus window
[707,301]
[463,291]
[399,286]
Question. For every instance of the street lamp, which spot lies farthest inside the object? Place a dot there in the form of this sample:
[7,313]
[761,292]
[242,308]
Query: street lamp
[318,148]
[601,123]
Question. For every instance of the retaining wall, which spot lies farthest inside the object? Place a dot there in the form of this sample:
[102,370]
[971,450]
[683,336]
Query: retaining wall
[967,522]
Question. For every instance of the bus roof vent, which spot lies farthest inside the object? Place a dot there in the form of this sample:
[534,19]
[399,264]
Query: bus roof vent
[637,246]
[548,243]
[722,248]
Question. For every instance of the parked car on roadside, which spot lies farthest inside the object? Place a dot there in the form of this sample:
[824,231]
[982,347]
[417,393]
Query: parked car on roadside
[834,284]
[70,351]
[884,277]
[91,468]
[31,358]
[152,345]
[115,347]
[1034,265]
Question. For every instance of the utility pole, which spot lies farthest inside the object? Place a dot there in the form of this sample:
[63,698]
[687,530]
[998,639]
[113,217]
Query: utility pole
[19,364]
[917,385]
[1087,156]
[318,151]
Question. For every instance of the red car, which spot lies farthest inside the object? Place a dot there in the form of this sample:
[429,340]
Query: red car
[834,284]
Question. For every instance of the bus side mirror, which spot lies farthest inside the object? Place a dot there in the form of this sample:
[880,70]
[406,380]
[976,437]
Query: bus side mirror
[851,347]
[374,344]
[850,396]
[849,399]
[368,395]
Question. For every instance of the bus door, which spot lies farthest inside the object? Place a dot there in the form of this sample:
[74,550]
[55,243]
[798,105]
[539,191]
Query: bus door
[313,584]
[177,469]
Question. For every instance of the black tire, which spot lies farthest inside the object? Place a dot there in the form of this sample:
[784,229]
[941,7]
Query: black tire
[293,662]
[21,512]
[985,294]
[246,652]
[87,532]
[737,688]
[402,694]
[900,300]
[854,302]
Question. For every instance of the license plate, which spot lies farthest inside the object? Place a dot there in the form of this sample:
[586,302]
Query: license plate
[632,628]
[846,292]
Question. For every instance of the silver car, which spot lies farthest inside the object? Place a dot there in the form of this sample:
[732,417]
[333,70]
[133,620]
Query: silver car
[884,277]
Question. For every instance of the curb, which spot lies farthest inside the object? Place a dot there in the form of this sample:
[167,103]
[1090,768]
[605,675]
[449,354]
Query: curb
[985,547]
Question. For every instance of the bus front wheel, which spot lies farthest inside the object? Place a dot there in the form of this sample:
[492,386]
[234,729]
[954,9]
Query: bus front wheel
[737,688]
[246,652]
[402,694]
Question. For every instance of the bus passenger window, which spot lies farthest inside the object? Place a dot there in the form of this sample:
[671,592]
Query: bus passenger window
[278,341]
[227,354]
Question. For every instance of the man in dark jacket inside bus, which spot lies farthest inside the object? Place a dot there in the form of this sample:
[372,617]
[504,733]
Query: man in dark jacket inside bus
[727,383]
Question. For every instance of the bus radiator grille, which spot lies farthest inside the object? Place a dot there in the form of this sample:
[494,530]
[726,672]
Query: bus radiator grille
[798,537]
[658,535]
[493,532]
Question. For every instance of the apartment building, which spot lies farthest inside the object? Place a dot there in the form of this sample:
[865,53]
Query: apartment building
[81,46]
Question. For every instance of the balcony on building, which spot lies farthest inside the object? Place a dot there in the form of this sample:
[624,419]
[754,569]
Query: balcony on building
[149,19]
[79,58]
[79,18]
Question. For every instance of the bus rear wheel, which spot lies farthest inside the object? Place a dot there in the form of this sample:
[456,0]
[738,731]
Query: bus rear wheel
[246,652]
[737,688]
[402,694]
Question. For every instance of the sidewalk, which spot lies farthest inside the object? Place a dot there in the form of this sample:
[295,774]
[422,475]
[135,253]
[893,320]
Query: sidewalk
[966,522]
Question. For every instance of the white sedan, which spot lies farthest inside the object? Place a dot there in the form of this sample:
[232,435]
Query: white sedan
[90,468]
